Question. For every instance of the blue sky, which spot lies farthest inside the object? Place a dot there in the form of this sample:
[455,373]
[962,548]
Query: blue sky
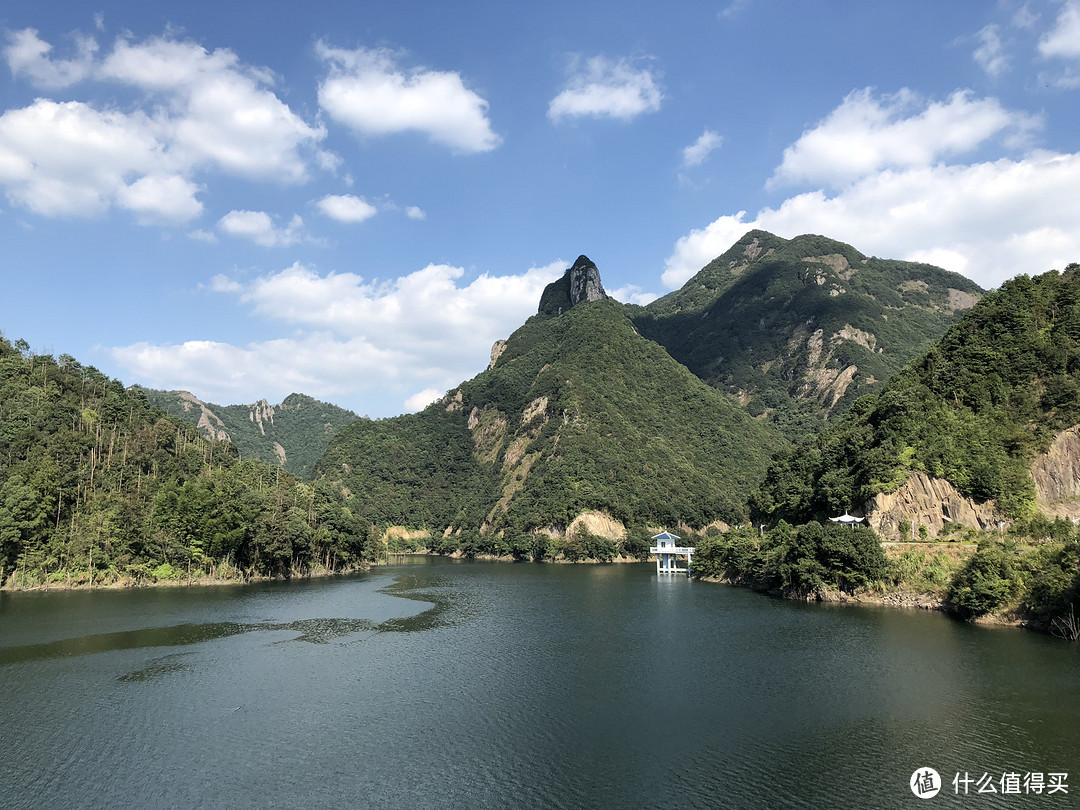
[354,200]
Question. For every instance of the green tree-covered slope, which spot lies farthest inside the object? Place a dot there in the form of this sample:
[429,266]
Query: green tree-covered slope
[293,434]
[798,329]
[97,485]
[579,412]
[975,410]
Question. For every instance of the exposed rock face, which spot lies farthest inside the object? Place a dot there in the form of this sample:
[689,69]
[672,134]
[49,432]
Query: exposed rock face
[1057,476]
[930,502]
[279,451]
[261,413]
[599,524]
[209,422]
[497,348]
[959,300]
[453,403]
[585,282]
[580,283]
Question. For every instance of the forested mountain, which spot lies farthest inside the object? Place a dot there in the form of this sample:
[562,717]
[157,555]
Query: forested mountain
[293,434]
[97,485]
[975,410]
[578,412]
[797,329]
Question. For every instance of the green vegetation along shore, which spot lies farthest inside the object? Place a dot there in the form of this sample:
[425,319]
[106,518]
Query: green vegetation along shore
[97,487]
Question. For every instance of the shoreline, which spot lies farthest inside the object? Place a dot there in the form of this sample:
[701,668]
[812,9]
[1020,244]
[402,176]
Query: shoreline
[198,581]
[898,598]
[508,558]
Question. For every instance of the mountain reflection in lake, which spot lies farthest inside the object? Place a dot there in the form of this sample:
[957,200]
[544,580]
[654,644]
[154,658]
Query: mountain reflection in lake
[442,684]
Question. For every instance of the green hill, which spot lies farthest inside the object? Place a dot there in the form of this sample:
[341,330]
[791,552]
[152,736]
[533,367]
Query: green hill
[974,410]
[797,330]
[99,486]
[578,413]
[293,434]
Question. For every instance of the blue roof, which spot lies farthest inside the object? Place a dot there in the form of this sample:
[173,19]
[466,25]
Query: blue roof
[666,536]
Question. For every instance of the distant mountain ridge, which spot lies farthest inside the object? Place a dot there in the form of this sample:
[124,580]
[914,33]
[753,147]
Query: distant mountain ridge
[797,329]
[293,434]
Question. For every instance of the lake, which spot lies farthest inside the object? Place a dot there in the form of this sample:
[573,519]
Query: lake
[475,684]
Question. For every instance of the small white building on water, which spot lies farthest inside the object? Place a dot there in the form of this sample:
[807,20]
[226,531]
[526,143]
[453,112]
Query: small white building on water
[667,553]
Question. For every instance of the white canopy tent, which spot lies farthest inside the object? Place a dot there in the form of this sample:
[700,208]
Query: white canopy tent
[847,520]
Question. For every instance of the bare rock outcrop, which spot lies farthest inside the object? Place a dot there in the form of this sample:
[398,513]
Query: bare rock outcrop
[497,348]
[209,422]
[1057,476]
[579,284]
[261,413]
[930,502]
[599,524]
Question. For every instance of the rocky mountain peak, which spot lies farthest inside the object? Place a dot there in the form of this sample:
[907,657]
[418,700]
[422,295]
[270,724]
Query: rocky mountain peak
[579,283]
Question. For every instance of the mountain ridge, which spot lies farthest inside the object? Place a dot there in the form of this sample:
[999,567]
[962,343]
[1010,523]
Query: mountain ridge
[293,434]
[797,329]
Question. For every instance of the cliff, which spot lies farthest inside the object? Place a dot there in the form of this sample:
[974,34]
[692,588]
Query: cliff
[579,284]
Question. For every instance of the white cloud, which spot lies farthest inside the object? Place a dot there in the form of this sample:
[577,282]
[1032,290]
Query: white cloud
[366,91]
[220,111]
[412,212]
[68,159]
[633,294]
[1025,18]
[223,284]
[346,208]
[695,153]
[425,332]
[1063,40]
[203,111]
[260,228]
[421,399]
[161,198]
[317,364]
[990,55]
[605,88]
[733,8]
[200,235]
[867,134]
[988,220]
[28,55]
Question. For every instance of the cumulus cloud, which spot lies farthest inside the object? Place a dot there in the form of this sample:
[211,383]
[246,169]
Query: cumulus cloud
[604,88]
[421,399]
[201,111]
[260,228]
[413,212]
[989,220]
[68,159]
[346,208]
[367,91]
[423,332]
[866,134]
[27,55]
[220,111]
[1063,40]
[695,153]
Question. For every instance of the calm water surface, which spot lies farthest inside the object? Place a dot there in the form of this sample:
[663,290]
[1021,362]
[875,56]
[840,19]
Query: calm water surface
[440,684]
